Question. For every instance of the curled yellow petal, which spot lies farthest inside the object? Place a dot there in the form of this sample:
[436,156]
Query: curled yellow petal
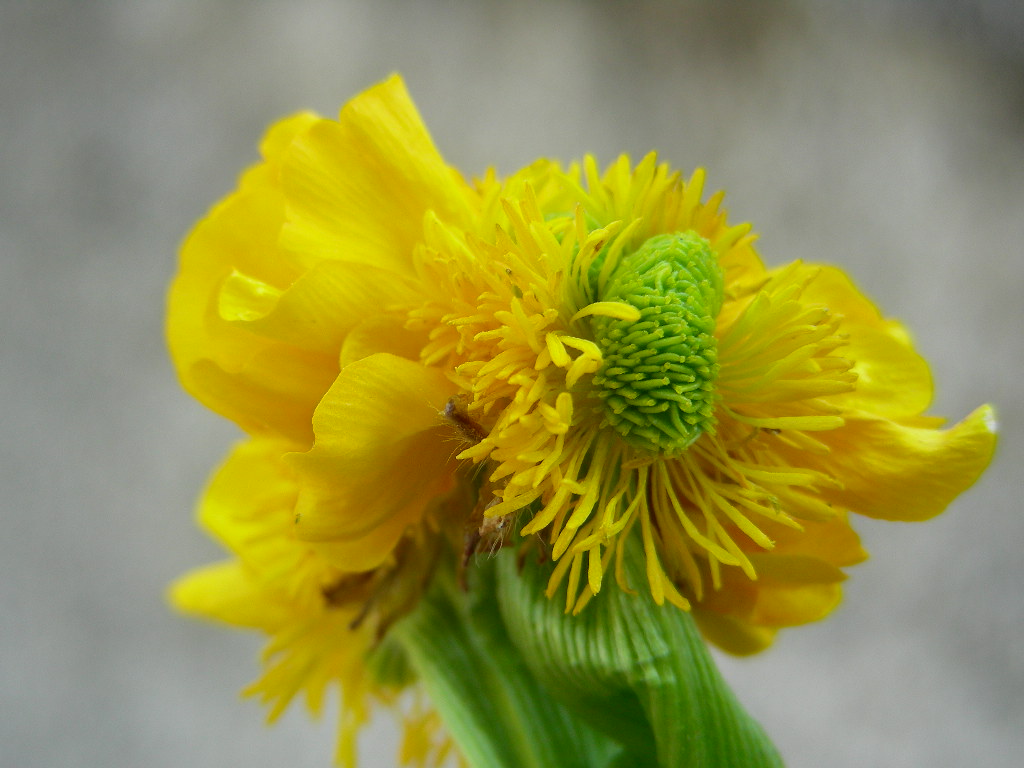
[378,461]
[231,267]
[896,472]
[359,187]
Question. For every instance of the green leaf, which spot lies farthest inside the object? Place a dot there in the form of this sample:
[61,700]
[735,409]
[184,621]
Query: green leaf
[637,671]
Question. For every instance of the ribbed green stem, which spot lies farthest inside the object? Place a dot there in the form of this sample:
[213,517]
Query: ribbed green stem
[635,670]
[497,712]
[519,684]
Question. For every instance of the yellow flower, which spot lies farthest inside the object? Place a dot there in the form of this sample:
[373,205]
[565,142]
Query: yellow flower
[566,358]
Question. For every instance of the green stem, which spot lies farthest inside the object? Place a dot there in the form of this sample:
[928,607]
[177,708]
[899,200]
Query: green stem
[638,671]
[519,684]
[497,712]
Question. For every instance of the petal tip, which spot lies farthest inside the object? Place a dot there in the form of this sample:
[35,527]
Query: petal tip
[987,413]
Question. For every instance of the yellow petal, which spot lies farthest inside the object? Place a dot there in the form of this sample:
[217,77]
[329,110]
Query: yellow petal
[255,332]
[896,472]
[229,509]
[259,527]
[893,381]
[227,592]
[774,569]
[832,541]
[381,334]
[279,136]
[221,362]
[732,634]
[379,460]
[320,308]
[791,605]
[834,289]
[358,188]
[237,235]
[276,390]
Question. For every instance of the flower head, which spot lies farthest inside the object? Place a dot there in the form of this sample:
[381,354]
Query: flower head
[566,359]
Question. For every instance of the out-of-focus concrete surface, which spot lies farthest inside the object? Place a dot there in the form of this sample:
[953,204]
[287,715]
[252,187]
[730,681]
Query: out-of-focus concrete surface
[888,142]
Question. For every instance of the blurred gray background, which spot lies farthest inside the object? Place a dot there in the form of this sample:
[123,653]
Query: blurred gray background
[885,138]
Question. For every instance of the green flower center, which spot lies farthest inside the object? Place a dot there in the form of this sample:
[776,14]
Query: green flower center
[658,377]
